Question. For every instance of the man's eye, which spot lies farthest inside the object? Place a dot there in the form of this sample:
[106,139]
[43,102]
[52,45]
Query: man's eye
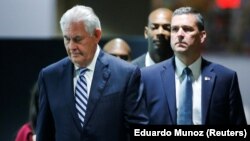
[78,39]
[154,27]
[174,29]
[166,27]
[187,29]
[66,39]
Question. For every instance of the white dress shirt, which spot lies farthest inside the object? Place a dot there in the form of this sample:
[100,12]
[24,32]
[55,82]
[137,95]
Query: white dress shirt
[196,84]
[148,60]
[89,73]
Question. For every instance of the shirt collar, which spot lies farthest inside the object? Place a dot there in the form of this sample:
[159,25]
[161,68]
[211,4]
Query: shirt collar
[195,67]
[148,60]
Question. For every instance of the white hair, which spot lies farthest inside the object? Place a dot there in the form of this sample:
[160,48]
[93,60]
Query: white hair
[80,13]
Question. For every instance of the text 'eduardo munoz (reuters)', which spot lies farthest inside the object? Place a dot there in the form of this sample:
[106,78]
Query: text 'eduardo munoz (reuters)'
[191,131]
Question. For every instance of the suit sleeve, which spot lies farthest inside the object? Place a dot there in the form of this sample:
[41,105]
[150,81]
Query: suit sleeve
[45,125]
[237,115]
[135,106]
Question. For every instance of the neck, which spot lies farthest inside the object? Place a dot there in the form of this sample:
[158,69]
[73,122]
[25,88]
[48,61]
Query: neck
[188,60]
[159,58]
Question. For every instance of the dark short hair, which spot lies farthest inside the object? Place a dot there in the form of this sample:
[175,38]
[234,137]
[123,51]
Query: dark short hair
[190,10]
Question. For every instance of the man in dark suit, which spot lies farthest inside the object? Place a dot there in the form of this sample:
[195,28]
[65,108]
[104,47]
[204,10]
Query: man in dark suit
[157,33]
[216,98]
[110,101]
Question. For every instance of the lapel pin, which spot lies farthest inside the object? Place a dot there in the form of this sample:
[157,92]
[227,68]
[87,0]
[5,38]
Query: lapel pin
[207,78]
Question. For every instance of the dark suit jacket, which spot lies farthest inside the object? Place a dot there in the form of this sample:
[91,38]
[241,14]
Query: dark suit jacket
[221,99]
[139,61]
[113,102]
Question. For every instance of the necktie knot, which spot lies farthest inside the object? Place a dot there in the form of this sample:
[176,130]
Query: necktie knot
[187,72]
[82,71]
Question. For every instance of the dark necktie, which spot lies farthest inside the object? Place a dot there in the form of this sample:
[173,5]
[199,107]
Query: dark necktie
[81,95]
[184,112]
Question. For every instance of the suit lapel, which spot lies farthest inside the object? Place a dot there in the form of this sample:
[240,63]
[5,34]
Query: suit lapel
[67,75]
[208,81]
[100,78]
[168,81]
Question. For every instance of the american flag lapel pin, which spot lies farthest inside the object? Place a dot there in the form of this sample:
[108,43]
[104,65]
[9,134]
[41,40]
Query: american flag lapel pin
[207,78]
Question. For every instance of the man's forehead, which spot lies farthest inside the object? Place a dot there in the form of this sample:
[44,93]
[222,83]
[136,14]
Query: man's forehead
[165,23]
[72,36]
[184,18]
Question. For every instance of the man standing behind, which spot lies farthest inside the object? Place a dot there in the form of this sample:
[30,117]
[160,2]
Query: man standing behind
[211,92]
[157,32]
[118,48]
[79,97]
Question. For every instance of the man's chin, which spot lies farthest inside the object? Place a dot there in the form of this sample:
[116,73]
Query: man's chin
[74,59]
[181,50]
[157,45]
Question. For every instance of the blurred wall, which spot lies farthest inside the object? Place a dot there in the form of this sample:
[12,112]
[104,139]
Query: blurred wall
[40,19]
[27,18]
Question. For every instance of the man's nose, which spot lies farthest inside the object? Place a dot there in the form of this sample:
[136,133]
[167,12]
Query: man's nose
[72,45]
[160,30]
[180,32]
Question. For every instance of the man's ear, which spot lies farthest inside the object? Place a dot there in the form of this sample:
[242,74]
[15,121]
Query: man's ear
[146,32]
[203,36]
[98,34]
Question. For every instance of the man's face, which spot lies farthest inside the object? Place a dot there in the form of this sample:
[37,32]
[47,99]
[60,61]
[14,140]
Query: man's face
[79,44]
[120,52]
[185,35]
[158,32]
[119,48]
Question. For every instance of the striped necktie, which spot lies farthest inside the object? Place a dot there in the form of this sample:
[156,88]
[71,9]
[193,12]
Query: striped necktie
[184,112]
[81,95]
